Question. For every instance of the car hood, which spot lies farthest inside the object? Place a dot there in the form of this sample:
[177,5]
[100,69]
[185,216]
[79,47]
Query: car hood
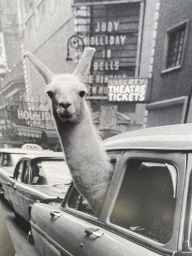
[8,170]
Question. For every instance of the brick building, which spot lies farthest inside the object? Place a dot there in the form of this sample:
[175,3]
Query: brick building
[170,100]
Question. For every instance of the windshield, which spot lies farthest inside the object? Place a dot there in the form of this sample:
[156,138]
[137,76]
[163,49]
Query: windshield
[52,172]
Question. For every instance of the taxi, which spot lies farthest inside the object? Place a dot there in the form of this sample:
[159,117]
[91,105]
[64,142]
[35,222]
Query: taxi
[42,177]
[147,210]
[9,158]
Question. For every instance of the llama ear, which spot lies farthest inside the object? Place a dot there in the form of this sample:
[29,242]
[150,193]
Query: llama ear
[41,68]
[84,63]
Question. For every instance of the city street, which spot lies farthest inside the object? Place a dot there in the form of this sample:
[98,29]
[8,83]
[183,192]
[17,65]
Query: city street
[18,232]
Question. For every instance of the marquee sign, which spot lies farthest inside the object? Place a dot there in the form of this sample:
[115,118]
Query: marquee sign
[113,31]
[128,90]
[37,116]
[3,61]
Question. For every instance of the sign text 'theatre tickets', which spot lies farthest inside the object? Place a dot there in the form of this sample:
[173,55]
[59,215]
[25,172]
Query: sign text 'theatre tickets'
[128,89]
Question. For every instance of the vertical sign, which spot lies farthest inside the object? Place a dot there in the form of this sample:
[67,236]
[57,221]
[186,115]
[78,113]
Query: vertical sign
[3,61]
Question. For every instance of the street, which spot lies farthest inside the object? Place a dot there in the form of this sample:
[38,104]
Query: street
[18,231]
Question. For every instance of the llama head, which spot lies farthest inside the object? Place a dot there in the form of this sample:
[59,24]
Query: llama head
[66,91]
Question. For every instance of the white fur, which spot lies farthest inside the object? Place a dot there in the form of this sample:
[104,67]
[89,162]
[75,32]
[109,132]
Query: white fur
[88,163]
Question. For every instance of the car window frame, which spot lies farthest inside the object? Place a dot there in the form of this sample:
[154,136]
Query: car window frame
[82,215]
[186,240]
[76,213]
[26,167]
[146,167]
[1,159]
[178,159]
[16,176]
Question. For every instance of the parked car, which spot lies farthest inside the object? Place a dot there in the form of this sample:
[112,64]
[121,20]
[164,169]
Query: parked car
[9,158]
[147,210]
[43,177]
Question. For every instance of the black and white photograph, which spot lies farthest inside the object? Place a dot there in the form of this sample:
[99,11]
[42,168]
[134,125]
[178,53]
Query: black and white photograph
[95,127]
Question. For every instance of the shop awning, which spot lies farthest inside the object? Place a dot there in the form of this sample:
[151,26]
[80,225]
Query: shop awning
[49,138]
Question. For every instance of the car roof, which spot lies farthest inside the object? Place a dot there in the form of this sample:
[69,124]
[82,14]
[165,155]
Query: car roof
[171,137]
[19,151]
[51,155]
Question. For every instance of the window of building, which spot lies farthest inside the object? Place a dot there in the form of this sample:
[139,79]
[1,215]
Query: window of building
[176,46]
[146,200]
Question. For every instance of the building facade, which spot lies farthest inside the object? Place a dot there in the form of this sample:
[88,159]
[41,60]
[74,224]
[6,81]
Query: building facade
[12,86]
[170,99]
[23,119]
[123,33]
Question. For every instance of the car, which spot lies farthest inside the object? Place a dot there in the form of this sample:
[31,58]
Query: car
[42,177]
[9,158]
[147,209]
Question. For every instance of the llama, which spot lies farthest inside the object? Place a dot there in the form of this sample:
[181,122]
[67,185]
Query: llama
[88,162]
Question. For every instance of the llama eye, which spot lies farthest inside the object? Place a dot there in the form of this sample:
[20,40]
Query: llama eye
[82,93]
[50,93]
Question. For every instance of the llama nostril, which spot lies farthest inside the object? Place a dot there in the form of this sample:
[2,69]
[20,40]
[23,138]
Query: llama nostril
[65,105]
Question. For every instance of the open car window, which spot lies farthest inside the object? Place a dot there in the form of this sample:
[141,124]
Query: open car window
[146,200]
[78,202]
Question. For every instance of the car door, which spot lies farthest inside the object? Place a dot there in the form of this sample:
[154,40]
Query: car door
[6,183]
[67,226]
[22,190]
[64,229]
[30,194]
[9,185]
[15,189]
[57,231]
[142,211]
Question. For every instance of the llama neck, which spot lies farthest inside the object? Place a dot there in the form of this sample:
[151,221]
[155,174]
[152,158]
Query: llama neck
[87,162]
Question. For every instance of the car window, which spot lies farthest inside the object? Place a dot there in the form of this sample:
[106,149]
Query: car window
[10,159]
[19,171]
[146,200]
[15,158]
[26,172]
[50,172]
[78,202]
[7,160]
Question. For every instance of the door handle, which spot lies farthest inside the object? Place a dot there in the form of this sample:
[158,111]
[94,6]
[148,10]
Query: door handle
[93,231]
[55,214]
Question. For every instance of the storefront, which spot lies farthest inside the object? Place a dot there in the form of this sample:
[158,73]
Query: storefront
[25,122]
